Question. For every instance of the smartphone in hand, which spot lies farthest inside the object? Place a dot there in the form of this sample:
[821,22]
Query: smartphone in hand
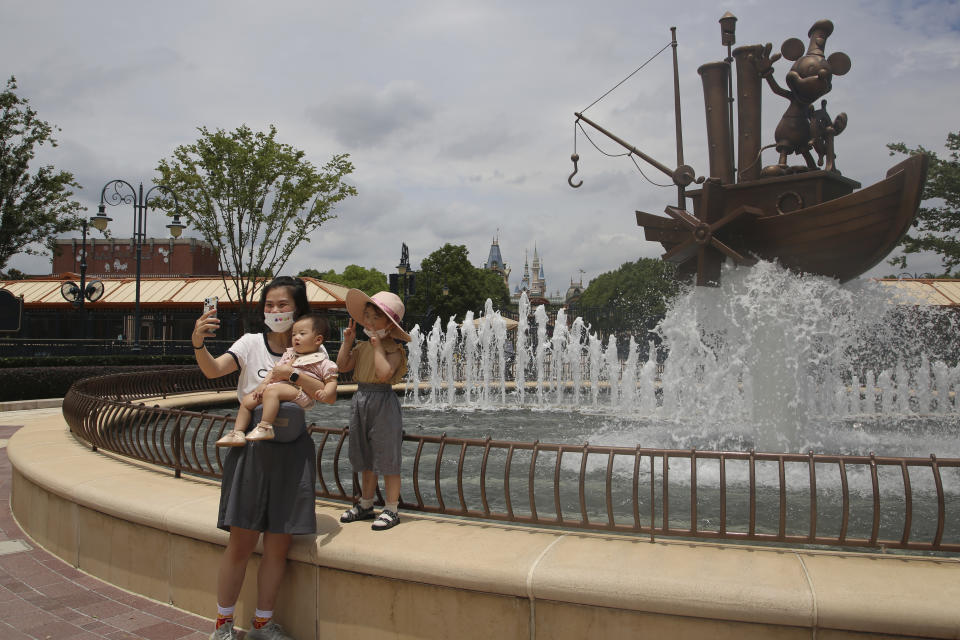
[210,303]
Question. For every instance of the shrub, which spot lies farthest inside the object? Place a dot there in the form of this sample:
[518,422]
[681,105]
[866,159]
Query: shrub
[31,383]
[108,360]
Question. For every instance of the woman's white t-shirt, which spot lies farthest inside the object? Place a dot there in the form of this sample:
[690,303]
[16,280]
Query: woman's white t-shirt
[255,359]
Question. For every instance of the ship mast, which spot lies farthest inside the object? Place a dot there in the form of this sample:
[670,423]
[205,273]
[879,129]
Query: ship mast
[681,197]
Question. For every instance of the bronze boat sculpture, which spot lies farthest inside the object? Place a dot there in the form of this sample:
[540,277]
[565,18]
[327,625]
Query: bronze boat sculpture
[809,218]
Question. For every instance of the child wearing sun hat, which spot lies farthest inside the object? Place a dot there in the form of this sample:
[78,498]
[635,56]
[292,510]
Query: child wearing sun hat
[376,426]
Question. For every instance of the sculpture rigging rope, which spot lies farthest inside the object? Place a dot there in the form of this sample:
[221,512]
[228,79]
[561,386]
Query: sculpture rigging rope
[612,155]
[608,92]
[611,90]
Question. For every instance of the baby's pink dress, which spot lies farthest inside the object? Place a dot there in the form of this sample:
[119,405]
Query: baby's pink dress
[316,365]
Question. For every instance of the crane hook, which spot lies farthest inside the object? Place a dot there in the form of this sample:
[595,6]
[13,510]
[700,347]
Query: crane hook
[575,159]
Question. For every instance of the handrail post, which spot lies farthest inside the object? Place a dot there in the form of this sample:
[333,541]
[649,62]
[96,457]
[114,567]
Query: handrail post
[177,448]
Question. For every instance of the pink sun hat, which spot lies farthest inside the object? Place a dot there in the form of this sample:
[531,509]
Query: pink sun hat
[389,303]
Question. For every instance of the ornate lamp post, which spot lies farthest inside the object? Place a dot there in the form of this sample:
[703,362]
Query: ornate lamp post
[403,284]
[140,202]
[83,276]
[79,295]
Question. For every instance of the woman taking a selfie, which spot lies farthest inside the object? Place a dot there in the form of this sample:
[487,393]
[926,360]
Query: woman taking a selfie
[268,486]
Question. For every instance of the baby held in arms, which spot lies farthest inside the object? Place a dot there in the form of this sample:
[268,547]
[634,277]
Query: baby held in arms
[308,357]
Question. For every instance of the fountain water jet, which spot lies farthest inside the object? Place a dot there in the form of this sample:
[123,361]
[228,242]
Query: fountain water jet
[771,360]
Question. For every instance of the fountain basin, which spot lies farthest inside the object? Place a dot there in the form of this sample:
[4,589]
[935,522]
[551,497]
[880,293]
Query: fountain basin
[450,578]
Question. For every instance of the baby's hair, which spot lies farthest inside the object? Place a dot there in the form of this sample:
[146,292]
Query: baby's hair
[319,323]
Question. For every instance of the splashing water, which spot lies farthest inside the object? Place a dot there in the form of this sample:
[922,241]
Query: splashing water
[771,359]
[521,352]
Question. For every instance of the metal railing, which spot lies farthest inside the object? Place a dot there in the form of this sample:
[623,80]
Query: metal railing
[59,348]
[851,501]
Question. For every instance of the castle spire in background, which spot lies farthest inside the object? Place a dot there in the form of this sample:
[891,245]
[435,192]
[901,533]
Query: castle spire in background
[495,261]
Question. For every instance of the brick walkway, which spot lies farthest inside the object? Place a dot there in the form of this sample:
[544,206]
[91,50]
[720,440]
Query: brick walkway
[44,598]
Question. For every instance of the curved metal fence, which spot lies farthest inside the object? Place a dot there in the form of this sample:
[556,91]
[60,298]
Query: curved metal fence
[799,499]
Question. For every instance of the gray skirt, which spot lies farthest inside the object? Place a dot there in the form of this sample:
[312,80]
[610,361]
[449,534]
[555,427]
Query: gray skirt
[269,486]
[376,429]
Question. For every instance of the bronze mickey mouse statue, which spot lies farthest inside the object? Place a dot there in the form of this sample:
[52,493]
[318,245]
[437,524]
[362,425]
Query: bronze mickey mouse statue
[809,79]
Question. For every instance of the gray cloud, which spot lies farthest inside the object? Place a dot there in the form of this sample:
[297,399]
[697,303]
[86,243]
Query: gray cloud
[458,117]
[362,116]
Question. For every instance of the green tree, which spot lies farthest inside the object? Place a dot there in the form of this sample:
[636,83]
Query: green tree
[253,198]
[468,288]
[634,295]
[937,226]
[369,281]
[13,274]
[34,207]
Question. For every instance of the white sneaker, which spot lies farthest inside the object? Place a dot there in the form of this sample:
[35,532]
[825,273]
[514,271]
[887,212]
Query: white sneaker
[225,632]
[271,631]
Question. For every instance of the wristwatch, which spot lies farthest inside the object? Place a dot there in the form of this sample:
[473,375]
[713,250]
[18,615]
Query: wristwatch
[294,377]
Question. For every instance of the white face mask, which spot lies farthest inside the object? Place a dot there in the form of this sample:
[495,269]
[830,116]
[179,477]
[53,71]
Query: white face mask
[380,333]
[278,322]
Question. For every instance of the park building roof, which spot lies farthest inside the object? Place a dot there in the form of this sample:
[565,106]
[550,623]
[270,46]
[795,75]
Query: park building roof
[157,292]
[926,291]
[44,292]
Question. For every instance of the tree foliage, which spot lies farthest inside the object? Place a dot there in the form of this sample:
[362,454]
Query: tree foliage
[937,226]
[34,207]
[636,294]
[253,198]
[468,288]
[370,281]
[13,274]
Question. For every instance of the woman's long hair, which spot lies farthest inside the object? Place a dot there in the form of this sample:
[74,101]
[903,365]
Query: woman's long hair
[298,291]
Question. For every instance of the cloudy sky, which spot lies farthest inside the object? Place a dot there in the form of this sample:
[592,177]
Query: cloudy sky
[457,115]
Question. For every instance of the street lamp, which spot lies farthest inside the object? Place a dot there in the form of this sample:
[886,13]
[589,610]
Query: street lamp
[83,274]
[403,284]
[79,295]
[140,202]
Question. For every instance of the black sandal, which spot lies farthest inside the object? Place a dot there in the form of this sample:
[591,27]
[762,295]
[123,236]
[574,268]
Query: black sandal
[386,520]
[356,512]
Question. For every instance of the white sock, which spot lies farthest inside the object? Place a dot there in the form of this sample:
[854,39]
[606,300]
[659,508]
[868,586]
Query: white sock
[392,506]
[225,611]
[365,503]
[263,614]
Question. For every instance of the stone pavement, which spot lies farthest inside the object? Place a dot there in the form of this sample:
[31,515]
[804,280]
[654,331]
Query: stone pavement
[44,598]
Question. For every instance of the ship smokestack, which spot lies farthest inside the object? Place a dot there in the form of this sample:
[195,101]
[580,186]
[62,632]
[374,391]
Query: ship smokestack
[748,111]
[715,77]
